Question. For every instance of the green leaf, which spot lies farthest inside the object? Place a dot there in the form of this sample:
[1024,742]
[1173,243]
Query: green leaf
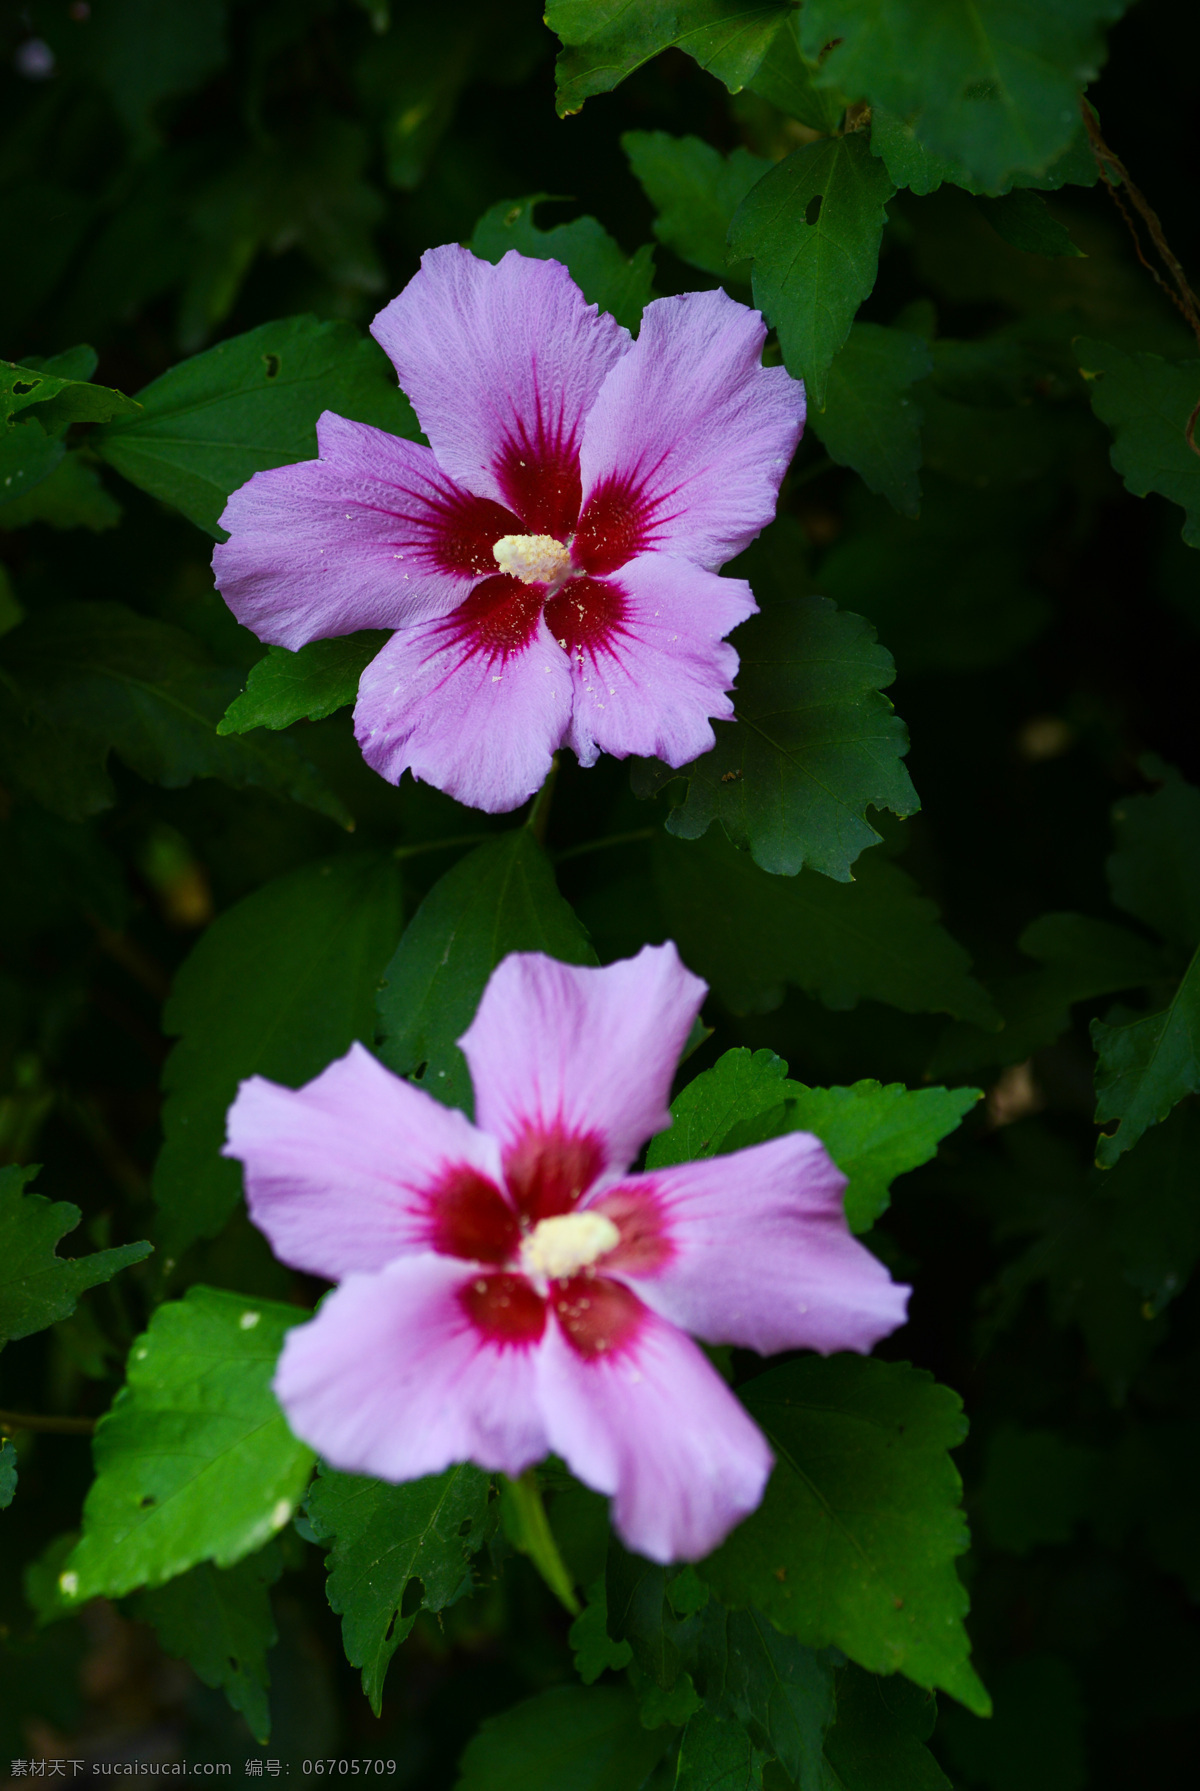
[280,984]
[195,1461]
[605,40]
[1147,402]
[908,162]
[58,399]
[500,898]
[873,1133]
[1153,1214]
[854,1542]
[384,1539]
[211,422]
[748,933]
[142,54]
[1079,958]
[8,1474]
[37,1286]
[304,686]
[788,79]
[870,420]
[1021,219]
[69,497]
[814,744]
[1145,1065]
[1154,872]
[594,1650]
[597,264]
[716,1754]
[574,1738]
[992,84]
[527,1527]
[782,1692]
[695,191]
[1036,1488]
[878,1741]
[105,679]
[220,1621]
[812,227]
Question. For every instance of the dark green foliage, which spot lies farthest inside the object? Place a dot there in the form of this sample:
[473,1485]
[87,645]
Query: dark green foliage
[574,1738]
[303,686]
[695,191]
[8,1474]
[37,1286]
[870,419]
[606,277]
[1147,403]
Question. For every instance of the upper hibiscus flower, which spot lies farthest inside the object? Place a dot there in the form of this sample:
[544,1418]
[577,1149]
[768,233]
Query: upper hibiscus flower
[509,1289]
[549,562]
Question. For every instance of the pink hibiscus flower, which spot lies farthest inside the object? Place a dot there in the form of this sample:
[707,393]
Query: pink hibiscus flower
[509,1289]
[549,562]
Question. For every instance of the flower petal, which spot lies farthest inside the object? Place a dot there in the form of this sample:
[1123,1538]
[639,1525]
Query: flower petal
[339,1173]
[371,535]
[580,1051]
[649,681]
[690,436]
[392,1378]
[475,703]
[502,364]
[654,1426]
[760,1252]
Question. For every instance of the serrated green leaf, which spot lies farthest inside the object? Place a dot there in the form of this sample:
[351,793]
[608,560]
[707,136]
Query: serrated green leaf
[1021,219]
[8,1474]
[782,1692]
[37,1286]
[303,686]
[1147,402]
[211,422]
[814,744]
[574,1738]
[696,191]
[992,84]
[103,679]
[220,1621]
[385,1537]
[280,984]
[871,420]
[873,1133]
[877,1742]
[716,1754]
[605,40]
[1154,871]
[1145,1066]
[597,264]
[855,1540]
[1079,958]
[594,1651]
[749,933]
[500,898]
[195,1461]
[69,497]
[812,227]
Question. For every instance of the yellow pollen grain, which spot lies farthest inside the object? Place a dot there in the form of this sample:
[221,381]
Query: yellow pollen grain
[534,559]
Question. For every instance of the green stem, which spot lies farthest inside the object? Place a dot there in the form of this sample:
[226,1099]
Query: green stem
[610,839]
[528,1529]
[81,1427]
[539,812]
[446,845]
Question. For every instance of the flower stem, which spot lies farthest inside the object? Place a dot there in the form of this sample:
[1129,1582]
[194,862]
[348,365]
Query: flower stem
[446,845]
[528,1529]
[10,1421]
[610,839]
[539,810]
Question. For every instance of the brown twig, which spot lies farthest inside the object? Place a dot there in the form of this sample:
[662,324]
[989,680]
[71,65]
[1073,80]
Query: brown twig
[81,1427]
[1183,298]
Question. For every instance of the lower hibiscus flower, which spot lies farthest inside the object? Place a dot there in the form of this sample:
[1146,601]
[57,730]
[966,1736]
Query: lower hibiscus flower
[509,1288]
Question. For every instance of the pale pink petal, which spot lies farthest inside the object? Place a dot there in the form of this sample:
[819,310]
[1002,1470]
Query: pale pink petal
[391,1378]
[502,364]
[649,679]
[654,1426]
[690,436]
[477,715]
[339,1173]
[564,1050]
[758,1251]
[371,535]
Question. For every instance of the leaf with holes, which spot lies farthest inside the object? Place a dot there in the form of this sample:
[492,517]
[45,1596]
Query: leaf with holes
[389,1543]
[500,898]
[855,1540]
[279,984]
[195,1461]
[814,744]
[812,227]
[37,1286]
